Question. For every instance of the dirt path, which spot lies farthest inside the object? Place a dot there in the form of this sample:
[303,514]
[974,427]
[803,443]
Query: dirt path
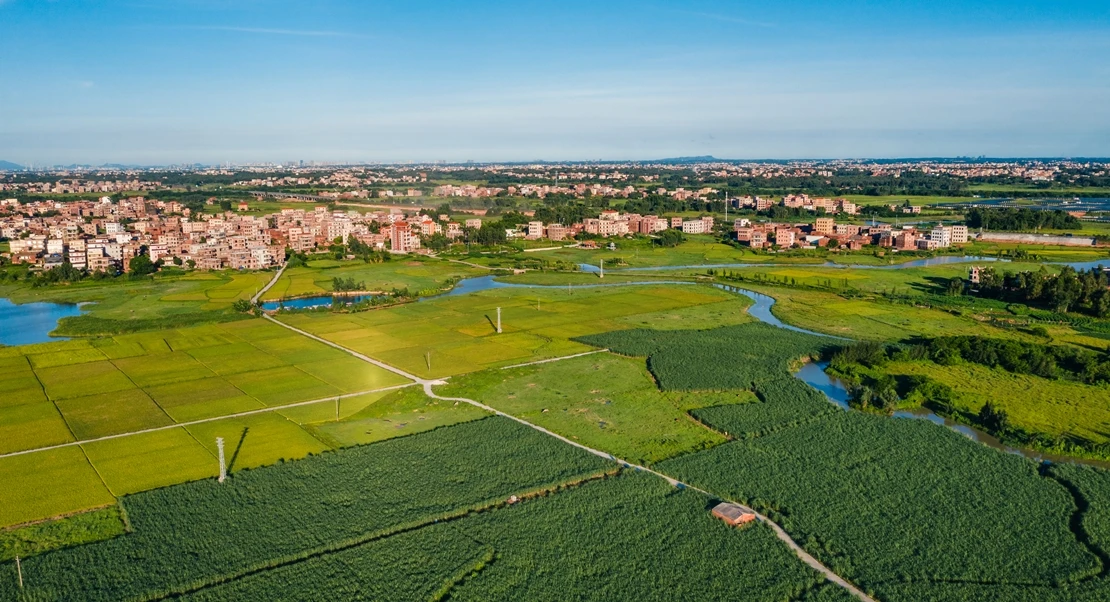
[269,284]
[428,384]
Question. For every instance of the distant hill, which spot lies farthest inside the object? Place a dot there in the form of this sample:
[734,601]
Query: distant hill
[9,166]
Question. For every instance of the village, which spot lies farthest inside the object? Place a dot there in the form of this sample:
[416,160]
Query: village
[104,235]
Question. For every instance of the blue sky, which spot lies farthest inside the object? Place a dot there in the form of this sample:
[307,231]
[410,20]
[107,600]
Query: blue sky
[164,81]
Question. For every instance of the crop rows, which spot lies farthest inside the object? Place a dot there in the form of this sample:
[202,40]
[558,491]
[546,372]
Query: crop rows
[631,537]
[784,403]
[732,357]
[412,566]
[885,500]
[184,536]
[628,538]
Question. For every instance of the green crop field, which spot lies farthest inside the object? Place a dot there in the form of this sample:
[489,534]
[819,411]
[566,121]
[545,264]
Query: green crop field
[604,401]
[269,516]
[150,460]
[78,529]
[49,483]
[414,275]
[395,414]
[86,389]
[456,334]
[628,538]
[885,502]
[391,521]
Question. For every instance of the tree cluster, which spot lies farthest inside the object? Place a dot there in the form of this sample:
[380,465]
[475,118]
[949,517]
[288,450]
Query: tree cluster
[1085,291]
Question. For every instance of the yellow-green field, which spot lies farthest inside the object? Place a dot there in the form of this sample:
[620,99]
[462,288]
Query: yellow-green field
[863,319]
[414,275]
[456,334]
[1056,407]
[159,298]
[88,389]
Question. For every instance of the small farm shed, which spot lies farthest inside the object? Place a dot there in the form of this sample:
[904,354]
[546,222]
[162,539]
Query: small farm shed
[733,514]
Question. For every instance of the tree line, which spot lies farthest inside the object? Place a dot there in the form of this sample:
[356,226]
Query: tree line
[1019,220]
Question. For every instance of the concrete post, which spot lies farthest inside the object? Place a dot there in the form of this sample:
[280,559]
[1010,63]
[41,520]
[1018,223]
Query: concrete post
[498,320]
[223,465]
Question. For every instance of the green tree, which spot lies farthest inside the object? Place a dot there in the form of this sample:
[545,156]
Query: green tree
[141,265]
[670,238]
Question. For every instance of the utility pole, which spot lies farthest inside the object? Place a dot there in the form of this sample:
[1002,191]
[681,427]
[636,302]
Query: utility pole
[223,466]
[337,409]
[602,269]
[498,320]
[19,569]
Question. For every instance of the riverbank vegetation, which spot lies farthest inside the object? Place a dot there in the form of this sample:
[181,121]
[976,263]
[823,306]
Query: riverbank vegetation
[1062,407]
[887,503]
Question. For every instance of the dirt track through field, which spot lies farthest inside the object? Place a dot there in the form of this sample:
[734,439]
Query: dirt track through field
[428,384]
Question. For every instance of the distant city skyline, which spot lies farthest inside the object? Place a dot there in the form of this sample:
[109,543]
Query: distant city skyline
[202,81]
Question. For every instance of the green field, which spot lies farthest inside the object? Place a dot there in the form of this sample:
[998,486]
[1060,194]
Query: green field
[85,389]
[882,501]
[413,274]
[604,401]
[1057,407]
[266,516]
[424,516]
[459,332]
[166,301]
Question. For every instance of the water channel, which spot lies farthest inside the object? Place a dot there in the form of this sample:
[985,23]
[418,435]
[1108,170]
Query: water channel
[916,263]
[812,373]
[29,323]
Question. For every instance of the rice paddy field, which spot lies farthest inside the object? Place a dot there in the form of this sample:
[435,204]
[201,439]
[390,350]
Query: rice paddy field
[454,335]
[416,275]
[162,297]
[134,403]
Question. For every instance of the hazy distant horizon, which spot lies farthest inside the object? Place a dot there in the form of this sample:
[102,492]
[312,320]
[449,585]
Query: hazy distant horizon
[207,81]
[308,163]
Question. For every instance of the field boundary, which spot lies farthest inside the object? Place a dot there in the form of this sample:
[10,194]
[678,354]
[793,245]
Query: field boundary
[427,384]
[381,534]
[269,284]
[203,421]
[554,359]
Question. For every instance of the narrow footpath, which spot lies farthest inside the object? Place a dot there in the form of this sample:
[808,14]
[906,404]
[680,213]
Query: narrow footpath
[271,283]
[427,384]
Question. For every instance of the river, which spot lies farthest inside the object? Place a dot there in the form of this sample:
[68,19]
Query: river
[916,263]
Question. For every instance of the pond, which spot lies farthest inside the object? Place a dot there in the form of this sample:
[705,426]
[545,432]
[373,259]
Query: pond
[29,323]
